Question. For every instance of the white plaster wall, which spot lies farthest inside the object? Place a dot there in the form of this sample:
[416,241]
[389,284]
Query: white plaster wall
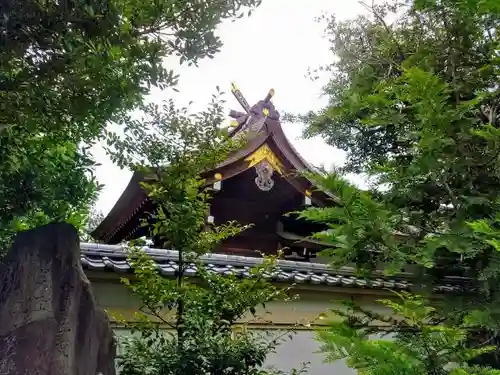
[114,297]
[303,348]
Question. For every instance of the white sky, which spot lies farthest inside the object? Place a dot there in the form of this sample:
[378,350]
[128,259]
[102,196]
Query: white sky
[271,49]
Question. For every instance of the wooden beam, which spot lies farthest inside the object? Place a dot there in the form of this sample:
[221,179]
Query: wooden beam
[240,98]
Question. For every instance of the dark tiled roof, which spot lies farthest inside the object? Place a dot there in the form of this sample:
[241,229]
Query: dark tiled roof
[98,257]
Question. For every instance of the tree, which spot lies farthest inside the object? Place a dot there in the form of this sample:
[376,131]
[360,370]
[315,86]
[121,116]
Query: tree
[75,65]
[43,180]
[415,342]
[415,104]
[197,327]
[68,69]
[173,149]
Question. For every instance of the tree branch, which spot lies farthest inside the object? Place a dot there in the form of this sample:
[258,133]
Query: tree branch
[386,27]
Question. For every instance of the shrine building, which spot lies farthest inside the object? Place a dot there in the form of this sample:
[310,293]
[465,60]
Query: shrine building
[257,184]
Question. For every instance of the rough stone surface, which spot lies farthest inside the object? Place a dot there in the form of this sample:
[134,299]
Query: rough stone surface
[49,321]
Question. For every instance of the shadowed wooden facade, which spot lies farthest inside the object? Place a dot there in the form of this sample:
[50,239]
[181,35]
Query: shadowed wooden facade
[256,184]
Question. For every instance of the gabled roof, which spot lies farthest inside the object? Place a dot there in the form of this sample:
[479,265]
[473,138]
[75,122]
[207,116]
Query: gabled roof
[266,141]
[97,257]
[271,142]
[132,199]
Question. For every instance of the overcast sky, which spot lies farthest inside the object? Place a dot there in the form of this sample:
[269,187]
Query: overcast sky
[271,49]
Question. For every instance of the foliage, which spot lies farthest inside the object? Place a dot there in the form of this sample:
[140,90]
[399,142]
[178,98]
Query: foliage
[74,65]
[174,150]
[414,102]
[209,342]
[92,220]
[69,68]
[360,228]
[46,181]
[413,342]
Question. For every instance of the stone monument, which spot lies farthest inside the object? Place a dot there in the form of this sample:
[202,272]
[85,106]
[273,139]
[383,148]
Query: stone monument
[49,321]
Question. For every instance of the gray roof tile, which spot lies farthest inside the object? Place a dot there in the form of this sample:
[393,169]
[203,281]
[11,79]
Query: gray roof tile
[98,257]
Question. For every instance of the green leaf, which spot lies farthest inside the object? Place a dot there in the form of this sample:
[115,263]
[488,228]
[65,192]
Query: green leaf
[495,243]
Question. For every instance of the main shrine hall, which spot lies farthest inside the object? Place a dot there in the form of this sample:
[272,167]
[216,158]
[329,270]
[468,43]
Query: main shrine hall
[259,184]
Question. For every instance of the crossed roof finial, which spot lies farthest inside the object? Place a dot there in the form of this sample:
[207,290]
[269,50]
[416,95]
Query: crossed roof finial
[262,110]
